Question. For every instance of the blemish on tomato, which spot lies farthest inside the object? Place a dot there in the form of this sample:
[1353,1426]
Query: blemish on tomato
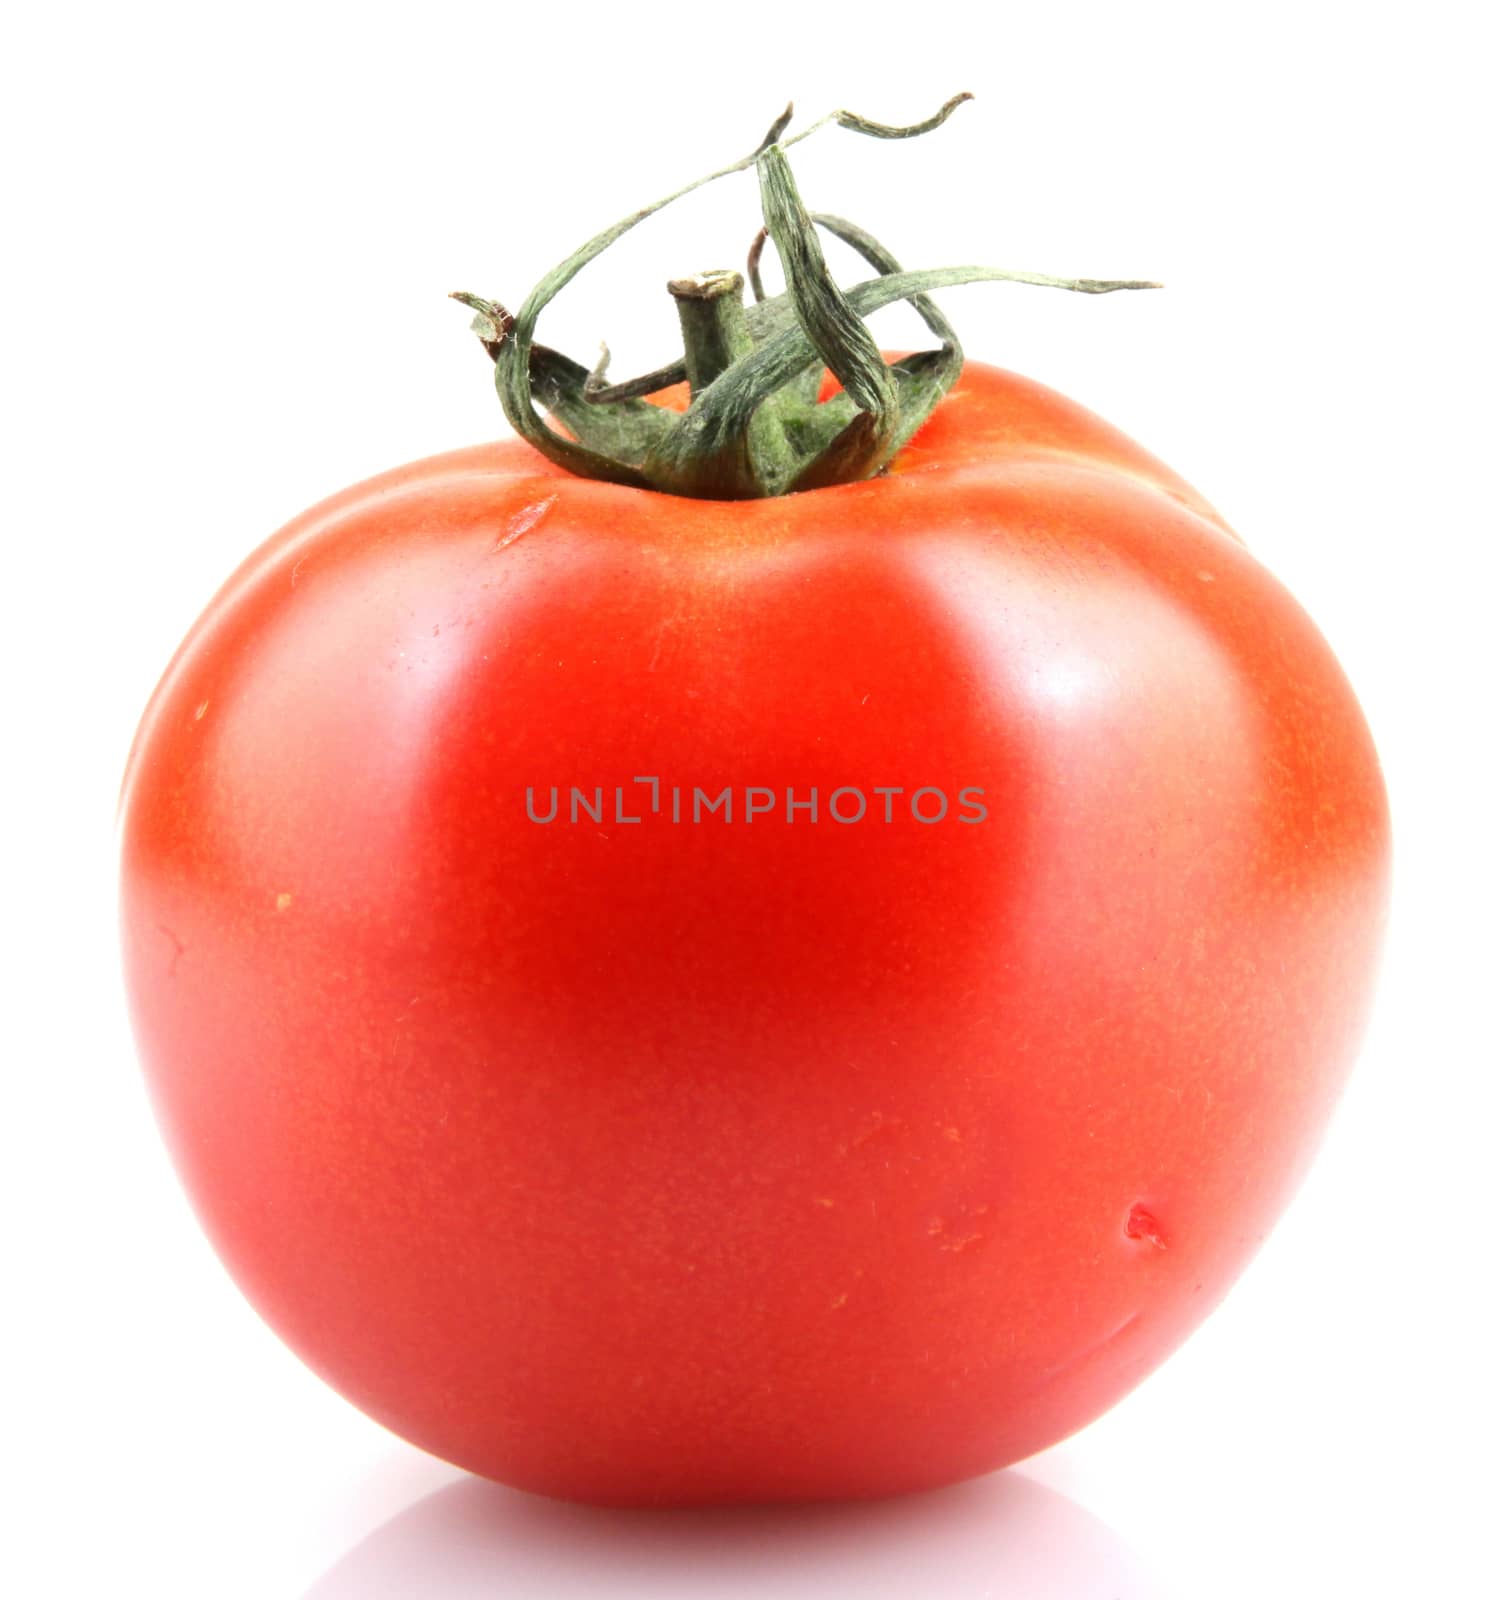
[199,710]
[178,948]
[284,900]
[1142,1225]
[961,1232]
[524,521]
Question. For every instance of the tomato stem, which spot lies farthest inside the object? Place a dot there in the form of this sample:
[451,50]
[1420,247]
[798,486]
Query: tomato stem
[755,425]
[713,324]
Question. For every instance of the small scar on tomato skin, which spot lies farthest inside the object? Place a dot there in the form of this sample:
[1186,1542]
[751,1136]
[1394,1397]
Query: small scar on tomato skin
[178,948]
[524,521]
[199,710]
[1141,1225]
[283,901]
[962,1232]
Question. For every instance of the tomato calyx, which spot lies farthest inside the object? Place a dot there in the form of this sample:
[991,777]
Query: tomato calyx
[755,426]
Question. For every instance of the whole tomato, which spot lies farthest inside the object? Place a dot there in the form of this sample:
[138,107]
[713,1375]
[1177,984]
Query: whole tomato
[638,1142]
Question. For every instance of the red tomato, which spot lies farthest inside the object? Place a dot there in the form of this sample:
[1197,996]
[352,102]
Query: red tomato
[647,1162]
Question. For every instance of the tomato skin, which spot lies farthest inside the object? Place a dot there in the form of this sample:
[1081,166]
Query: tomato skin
[643,1163]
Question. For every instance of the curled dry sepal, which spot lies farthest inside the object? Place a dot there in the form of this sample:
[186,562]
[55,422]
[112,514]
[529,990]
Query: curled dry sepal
[755,425]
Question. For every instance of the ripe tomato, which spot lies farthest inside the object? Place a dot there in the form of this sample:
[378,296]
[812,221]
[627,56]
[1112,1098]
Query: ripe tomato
[751,1158]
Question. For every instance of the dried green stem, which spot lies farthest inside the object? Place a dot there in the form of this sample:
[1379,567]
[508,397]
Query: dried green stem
[754,425]
[712,323]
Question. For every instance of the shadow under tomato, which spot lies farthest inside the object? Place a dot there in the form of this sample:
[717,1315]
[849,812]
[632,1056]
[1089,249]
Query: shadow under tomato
[1000,1536]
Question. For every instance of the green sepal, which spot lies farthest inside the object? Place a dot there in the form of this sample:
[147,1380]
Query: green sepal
[755,426]
[626,432]
[836,332]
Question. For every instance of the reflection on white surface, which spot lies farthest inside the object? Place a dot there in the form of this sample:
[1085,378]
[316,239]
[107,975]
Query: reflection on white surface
[1004,1537]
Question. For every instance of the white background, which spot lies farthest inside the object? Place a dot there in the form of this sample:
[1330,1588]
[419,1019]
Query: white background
[231,234]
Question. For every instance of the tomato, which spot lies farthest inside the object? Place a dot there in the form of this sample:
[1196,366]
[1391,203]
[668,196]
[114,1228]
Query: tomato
[767,1155]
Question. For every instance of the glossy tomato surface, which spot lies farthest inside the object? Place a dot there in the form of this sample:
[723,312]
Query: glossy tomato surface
[755,1157]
